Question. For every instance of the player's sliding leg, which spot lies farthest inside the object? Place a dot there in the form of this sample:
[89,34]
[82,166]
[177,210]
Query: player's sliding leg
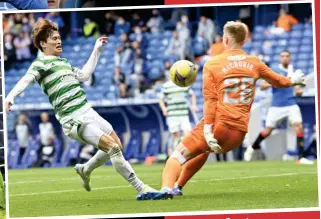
[257,143]
[92,134]
[84,170]
[190,168]
[300,144]
[99,159]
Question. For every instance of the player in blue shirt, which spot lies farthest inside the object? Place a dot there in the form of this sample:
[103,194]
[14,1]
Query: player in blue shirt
[283,106]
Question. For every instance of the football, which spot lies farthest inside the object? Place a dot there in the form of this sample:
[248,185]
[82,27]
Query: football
[183,73]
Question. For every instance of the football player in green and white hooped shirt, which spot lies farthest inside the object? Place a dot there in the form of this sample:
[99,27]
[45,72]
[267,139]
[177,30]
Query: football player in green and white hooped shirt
[175,106]
[61,83]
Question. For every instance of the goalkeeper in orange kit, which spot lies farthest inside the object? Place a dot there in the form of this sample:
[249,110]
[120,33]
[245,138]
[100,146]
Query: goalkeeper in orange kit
[228,88]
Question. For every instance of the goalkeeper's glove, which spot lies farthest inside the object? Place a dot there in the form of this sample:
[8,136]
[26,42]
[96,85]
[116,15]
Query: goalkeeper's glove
[297,78]
[210,139]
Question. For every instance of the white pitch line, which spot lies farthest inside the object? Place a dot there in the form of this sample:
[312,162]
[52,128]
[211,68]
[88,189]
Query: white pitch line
[192,181]
[54,180]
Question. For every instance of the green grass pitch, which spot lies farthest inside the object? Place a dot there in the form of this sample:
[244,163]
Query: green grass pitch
[218,186]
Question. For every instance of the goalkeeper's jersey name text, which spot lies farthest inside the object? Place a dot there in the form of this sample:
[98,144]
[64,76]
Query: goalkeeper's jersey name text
[237,64]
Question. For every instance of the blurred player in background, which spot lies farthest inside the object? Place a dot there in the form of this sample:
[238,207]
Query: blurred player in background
[228,88]
[61,83]
[283,107]
[175,107]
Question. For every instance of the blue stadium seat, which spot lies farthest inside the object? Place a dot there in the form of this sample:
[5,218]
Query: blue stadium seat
[308,33]
[303,56]
[311,63]
[310,70]
[282,42]
[258,36]
[308,26]
[111,96]
[278,49]
[158,64]
[307,41]
[256,45]
[294,42]
[247,45]
[153,146]
[276,58]
[167,34]
[133,148]
[306,49]
[296,34]
[298,27]
[302,64]
[293,49]
[31,154]
[271,37]
[259,29]
[71,152]
[13,153]
[59,149]
[154,73]
[284,35]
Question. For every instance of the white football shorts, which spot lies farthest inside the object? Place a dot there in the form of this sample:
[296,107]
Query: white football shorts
[87,128]
[276,115]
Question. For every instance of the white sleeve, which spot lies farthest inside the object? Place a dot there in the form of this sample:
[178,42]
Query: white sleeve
[20,87]
[85,73]
[190,91]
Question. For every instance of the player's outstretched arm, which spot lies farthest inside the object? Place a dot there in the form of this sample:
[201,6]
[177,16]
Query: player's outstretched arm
[22,84]
[279,81]
[88,69]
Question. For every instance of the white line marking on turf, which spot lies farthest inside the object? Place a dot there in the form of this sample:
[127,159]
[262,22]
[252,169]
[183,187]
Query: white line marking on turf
[55,180]
[192,181]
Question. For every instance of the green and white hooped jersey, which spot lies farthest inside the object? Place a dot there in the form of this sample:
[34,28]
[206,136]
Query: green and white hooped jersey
[176,99]
[58,80]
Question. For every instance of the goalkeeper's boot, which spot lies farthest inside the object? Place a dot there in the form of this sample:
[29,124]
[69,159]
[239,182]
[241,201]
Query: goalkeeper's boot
[164,194]
[85,179]
[177,191]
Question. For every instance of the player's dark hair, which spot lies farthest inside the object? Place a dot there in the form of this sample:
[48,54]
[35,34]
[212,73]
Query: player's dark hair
[42,30]
[287,51]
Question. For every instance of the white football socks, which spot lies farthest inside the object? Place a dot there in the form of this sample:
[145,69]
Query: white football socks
[99,159]
[124,168]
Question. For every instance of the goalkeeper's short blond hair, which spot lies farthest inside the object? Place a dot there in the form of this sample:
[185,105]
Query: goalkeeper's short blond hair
[237,30]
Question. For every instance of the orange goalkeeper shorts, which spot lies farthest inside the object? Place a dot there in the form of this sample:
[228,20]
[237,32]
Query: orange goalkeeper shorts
[227,138]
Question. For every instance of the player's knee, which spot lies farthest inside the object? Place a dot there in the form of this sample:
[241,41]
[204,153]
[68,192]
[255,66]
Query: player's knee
[267,131]
[298,127]
[106,142]
[117,140]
